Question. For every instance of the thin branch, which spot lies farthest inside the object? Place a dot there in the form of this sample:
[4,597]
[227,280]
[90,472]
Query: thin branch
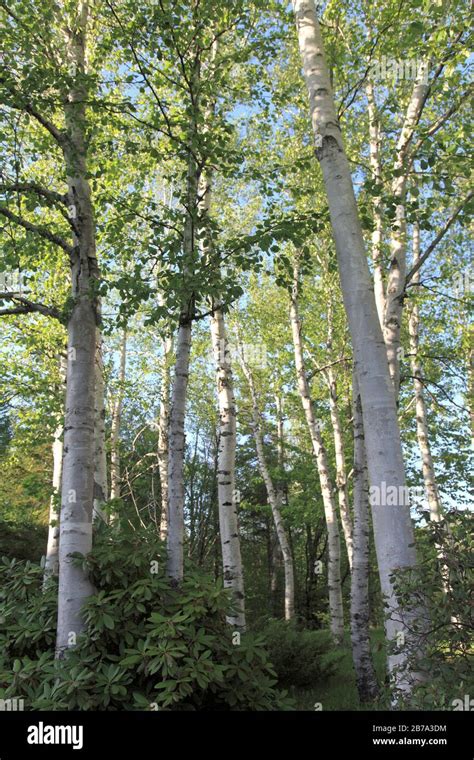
[41,231]
[438,237]
[28,307]
[433,128]
[58,134]
[33,187]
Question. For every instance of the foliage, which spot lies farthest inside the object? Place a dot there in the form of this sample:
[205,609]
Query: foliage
[147,645]
[301,658]
[22,540]
[446,552]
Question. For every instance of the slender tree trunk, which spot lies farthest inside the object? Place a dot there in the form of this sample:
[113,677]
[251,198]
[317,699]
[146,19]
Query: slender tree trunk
[176,451]
[228,517]
[319,451]
[77,492]
[341,477]
[422,432]
[277,557]
[422,429]
[272,495]
[393,529]
[280,484]
[175,538]
[178,397]
[163,435]
[377,232]
[100,452]
[360,612]
[398,246]
[51,565]
[116,422]
[228,508]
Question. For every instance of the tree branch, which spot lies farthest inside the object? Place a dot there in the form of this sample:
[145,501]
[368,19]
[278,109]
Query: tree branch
[438,237]
[28,307]
[41,231]
[33,187]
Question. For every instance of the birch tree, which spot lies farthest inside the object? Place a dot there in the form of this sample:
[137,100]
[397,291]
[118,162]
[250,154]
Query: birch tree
[392,524]
[51,566]
[163,433]
[341,476]
[78,468]
[360,636]
[330,513]
[69,143]
[271,490]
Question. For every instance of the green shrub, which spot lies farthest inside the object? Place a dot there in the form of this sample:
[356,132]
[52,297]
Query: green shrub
[300,658]
[146,646]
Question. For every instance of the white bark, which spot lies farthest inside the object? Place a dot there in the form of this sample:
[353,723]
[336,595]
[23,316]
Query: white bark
[163,435]
[393,528]
[175,537]
[273,498]
[279,487]
[360,636]
[51,565]
[176,451]
[341,477]
[77,489]
[226,494]
[116,422]
[376,236]
[100,452]
[422,432]
[397,272]
[334,545]
[228,516]
[422,429]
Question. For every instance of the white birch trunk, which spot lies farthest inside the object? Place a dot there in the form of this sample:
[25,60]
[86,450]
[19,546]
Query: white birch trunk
[341,477]
[77,491]
[334,545]
[422,429]
[51,564]
[393,529]
[176,452]
[175,539]
[280,491]
[226,493]
[398,246]
[360,636]
[163,435]
[228,516]
[116,421]
[422,432]
[272,495]
[376,236]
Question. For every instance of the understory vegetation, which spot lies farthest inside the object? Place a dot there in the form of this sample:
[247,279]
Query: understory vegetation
[236,355]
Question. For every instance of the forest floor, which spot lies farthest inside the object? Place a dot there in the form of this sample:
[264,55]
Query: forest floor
[339,692]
